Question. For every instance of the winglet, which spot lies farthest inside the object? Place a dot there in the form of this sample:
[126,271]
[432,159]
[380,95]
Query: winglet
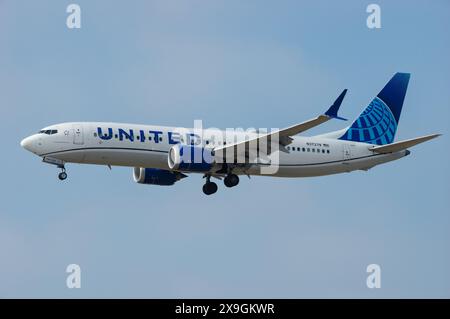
[332,111]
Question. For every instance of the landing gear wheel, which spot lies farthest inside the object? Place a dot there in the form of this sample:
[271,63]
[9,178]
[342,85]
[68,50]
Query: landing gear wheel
[231,180]
[209,188]
[62,176]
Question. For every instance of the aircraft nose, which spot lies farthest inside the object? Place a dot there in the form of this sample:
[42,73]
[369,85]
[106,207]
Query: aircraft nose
[27,143]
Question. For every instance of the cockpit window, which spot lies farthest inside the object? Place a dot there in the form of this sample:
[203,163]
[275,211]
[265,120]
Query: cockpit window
[48,132]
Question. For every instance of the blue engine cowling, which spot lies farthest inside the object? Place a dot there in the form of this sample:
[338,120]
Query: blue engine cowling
[190,158]
[156,176]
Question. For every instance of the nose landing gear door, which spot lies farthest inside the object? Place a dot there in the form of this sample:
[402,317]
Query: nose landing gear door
[78,134]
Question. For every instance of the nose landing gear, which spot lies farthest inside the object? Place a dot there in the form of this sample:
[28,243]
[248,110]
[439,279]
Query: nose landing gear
[58,163]
[63,175]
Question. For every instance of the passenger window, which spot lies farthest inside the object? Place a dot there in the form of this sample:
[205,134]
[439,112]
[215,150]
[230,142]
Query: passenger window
[308,149]
[303,149]
[160,139]
[298,149]
[328,151]
[288,148]
[314,150]
[323,151]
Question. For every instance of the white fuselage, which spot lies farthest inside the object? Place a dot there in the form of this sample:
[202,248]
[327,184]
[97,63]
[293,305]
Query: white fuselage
[149,147]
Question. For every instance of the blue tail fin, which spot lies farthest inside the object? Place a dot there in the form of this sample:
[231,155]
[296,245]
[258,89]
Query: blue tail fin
[377,124]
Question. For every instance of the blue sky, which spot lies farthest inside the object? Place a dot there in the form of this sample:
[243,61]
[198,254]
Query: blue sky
[231,64]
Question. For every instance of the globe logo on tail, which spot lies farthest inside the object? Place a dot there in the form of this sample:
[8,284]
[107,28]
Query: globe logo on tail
[376,125]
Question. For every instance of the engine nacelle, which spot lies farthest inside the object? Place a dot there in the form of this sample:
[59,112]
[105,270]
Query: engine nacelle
[155,176]
[190,158]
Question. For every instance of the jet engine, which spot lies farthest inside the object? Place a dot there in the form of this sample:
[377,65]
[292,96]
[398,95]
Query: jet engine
[155,176]
[190,158]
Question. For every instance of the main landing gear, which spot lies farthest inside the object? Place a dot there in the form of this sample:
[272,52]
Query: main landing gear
[210,187]
[231,180]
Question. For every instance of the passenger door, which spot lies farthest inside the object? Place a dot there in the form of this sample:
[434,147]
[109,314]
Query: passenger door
[347,152]
[78,137]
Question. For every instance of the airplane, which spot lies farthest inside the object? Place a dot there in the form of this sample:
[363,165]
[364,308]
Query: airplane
[163,155]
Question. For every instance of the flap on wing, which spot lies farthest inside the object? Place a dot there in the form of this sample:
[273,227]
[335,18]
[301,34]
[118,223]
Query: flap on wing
[402,145]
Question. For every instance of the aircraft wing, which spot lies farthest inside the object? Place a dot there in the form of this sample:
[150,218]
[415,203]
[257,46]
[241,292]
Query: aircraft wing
[402,145]
[284,135]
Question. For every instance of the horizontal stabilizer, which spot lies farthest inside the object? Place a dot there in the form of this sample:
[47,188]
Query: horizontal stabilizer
[402,145]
